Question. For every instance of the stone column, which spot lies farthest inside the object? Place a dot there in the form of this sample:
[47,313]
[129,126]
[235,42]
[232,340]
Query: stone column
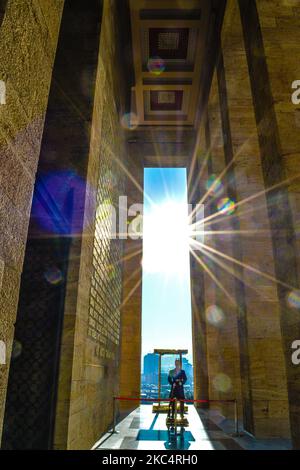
[272,38]
[131,308]
[199,331]
[224,309]
[267,374]
[28,36]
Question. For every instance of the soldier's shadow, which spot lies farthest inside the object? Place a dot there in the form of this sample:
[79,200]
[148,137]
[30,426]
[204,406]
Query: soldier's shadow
[179,441]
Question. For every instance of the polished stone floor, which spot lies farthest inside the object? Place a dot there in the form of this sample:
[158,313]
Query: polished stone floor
[145,430]
[208,430]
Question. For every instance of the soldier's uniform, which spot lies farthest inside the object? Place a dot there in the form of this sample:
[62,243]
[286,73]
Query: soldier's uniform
[177,379]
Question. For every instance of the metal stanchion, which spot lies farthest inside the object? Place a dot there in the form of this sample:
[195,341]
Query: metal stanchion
[114,416]
[175,417]
[237,433]
[159,379]
[236,417]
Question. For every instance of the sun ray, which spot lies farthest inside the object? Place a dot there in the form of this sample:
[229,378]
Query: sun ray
[244,265]
[214,278]
[229,217]
[254,196]
[230,270]
[132,275]
[129,175]
[131,292]
[193,164]
[224,171]
[131,255]
[191,179]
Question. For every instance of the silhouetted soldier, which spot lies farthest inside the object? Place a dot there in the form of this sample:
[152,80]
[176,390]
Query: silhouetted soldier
[177,378]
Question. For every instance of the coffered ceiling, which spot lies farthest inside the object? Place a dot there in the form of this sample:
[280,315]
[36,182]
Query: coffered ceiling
[168,40]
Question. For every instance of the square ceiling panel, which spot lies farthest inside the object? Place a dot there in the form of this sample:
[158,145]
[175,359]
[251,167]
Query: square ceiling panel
[166,100]
[169,43]
[168,40]
[175,46]
[166,105]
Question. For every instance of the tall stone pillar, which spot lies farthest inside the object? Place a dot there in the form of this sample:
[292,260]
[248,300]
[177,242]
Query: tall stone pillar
[70,334]
[131,308]
[223,311]
[267,375]
[28,37]
[272,38]
[199,331]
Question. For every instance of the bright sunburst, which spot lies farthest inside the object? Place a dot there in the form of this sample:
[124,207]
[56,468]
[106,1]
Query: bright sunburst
[166,239]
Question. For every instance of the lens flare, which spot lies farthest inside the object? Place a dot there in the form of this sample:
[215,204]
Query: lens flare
[156,65]
[214,185]
[215,315]
[129,121]
[58,202]
[226,206]
[222,382]
[293,299]
[54,276]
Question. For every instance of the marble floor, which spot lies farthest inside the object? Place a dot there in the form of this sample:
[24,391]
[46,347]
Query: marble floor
[145,430]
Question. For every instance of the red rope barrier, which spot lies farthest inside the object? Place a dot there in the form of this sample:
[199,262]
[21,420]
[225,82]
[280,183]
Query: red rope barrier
[172,399]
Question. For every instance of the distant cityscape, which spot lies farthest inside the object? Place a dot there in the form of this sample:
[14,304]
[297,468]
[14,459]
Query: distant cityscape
[149,386]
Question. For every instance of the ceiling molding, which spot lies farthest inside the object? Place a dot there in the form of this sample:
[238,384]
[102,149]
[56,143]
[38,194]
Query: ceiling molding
[166,90]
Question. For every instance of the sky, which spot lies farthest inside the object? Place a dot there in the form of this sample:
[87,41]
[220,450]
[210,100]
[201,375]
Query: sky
[166,300]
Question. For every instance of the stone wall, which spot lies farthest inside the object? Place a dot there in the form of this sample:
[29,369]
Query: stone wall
[248,348]
[271,34]
[224,292]
[268,400]
[131,309]
[54,235]
[71,357]
[28,35]
[90,345]
[196,189]
[3,4]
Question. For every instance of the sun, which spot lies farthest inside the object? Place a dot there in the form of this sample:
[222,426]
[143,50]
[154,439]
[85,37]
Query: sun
[166,234]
